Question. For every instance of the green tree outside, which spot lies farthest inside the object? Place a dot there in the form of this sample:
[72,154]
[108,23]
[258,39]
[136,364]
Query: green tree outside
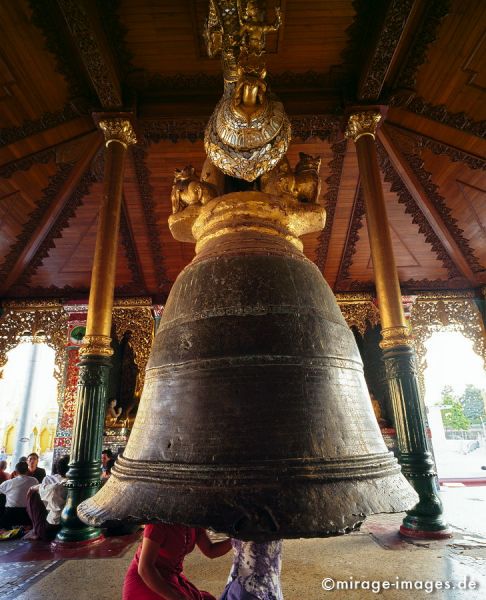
[453,415]
[472,401]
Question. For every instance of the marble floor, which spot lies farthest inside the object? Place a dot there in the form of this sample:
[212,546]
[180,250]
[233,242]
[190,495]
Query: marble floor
[374,561]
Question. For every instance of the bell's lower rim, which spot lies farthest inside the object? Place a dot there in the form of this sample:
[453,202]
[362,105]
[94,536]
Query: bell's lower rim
[307,509]
[370,466]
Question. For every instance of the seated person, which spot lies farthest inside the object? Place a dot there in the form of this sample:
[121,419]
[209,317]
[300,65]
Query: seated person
[34,470]
[45,502]
[14,472]
[3,474]
[156,570]
[3,477]
[107,462]
[15,491]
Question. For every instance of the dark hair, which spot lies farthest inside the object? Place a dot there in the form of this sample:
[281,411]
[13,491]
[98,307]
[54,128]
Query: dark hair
[23,459]
[108,453]
[21,468]
[3,464]
[33,454]
[62,465]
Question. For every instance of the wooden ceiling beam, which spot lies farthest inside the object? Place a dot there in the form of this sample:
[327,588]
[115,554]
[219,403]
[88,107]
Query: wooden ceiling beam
[51,215]
[427,207]
[349,247]
[132,249]
[441,139]
[94,51]
[384,53]
[43,156]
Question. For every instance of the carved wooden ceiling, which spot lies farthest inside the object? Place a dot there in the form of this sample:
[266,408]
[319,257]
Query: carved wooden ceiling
[62,60]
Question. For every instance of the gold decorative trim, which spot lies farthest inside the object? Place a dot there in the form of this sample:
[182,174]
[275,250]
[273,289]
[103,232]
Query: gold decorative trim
[351,297]
[118,303]
[362,123]
[447,295]
[75,308]
[395,336]
[359,311]
[31,305]
[42,321]
[137,320]
[132,302]
[257,211]
[118,130]
[96,345]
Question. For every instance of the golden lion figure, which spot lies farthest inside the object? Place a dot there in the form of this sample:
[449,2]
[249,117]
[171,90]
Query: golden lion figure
[188,190]
[302,184]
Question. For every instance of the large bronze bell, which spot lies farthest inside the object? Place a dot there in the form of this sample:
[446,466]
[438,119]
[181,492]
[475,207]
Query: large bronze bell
[255,418]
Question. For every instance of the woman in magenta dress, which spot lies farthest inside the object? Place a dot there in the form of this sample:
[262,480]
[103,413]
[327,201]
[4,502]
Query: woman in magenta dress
[156,570]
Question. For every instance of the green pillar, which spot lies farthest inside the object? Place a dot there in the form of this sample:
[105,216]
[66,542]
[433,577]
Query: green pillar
[84,469]
[83,477]
[425,519]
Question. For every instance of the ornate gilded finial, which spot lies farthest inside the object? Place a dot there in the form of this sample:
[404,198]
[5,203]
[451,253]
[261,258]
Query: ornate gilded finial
[362,123]
[118,130]
[249,132]
[253,27]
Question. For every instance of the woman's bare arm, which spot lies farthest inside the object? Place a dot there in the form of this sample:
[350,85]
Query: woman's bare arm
[150,575]
[212,549]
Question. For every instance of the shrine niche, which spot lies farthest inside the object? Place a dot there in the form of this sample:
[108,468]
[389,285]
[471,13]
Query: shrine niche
[133,326]
[131,340]
[446,311]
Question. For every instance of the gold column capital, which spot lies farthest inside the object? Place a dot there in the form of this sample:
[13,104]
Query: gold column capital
[362,123]
[118,130]
[96,345]
[395,336]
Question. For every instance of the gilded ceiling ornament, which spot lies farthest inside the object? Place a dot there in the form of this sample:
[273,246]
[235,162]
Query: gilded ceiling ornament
[249,132]
[119,130]
[363,123]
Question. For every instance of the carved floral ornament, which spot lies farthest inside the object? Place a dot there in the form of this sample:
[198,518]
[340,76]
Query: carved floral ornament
[358,311]
[42,322]
[362,123]
[119,130]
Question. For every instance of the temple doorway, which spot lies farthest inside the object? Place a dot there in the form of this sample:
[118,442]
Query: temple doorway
[28,392]
[455,397]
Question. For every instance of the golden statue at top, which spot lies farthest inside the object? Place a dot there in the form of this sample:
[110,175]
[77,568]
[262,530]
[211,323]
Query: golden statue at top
[249,132]
[249,96]
[253,27]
